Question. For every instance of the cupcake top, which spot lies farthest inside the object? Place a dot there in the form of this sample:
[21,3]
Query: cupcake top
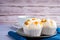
[52,22]
[32,23]
[35,23]
[47,22]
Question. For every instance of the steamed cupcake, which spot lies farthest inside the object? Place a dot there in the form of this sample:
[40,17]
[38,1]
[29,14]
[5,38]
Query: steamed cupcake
[49,26]
[32,27]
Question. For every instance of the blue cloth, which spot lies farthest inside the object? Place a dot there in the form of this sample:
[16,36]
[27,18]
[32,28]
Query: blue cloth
[15,35]
[58,30]
[18,37]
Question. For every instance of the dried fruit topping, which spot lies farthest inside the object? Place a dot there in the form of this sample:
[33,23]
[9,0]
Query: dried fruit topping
[26,23]
[33,18]
[43,20]
[35,22]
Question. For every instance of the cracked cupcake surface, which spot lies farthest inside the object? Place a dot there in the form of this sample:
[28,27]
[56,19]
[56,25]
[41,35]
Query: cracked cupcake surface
[47,22]
[32,23]
[36,26]
[49,27]
[32,27]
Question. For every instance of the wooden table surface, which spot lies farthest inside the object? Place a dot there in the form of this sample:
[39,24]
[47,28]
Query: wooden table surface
[4,28]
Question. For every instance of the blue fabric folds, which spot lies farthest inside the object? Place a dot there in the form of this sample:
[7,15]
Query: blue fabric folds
[15,35]
[18,37]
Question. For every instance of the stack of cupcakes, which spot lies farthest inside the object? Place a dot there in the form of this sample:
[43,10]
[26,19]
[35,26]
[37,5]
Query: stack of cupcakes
[36,27]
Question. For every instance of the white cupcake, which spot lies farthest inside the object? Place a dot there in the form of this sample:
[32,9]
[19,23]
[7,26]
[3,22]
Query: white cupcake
[32,27]
[49,27]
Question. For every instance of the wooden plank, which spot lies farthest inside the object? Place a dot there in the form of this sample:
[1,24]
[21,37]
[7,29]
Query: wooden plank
[30,11]
[14,19]
[31,2]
